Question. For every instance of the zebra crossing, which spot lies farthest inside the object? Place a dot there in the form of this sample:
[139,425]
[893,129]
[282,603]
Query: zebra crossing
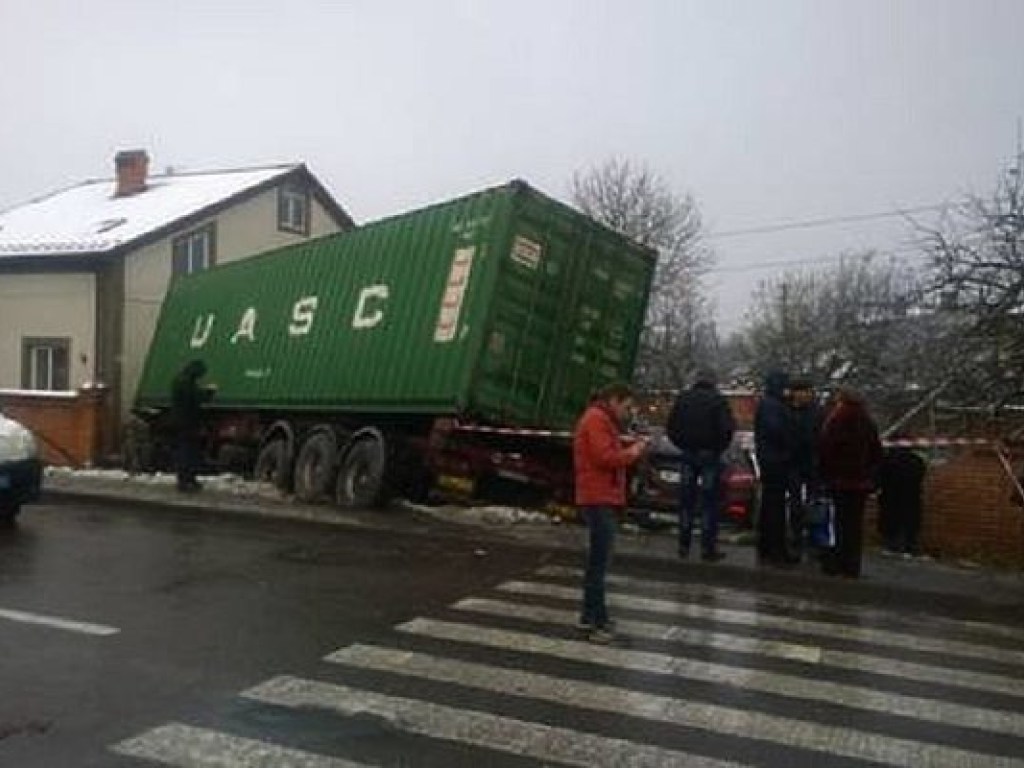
[704,676]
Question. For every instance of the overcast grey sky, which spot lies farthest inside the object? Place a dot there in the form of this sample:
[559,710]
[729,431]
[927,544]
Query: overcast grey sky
[766,111]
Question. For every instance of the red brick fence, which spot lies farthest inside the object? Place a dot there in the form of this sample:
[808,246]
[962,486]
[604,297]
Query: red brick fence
[70,426]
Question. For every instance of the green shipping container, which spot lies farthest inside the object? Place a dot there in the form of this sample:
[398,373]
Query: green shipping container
[504,306]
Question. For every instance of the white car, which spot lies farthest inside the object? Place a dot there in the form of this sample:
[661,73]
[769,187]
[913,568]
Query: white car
[21,471]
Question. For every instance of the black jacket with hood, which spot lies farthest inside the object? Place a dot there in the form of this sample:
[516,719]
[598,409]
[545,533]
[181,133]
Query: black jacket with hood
[701,419]
[187,397]
[774,427]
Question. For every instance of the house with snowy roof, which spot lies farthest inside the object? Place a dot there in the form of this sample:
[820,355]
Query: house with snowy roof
[83,271]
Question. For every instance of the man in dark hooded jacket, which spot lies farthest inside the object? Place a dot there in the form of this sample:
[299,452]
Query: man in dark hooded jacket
[775,445]
[187,398]
[900,482]
[700,425]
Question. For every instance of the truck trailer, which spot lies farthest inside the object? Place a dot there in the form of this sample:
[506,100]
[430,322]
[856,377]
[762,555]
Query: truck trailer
[452,345]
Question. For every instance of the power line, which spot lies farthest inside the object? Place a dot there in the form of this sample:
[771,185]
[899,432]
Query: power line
[822,222]
[805,261]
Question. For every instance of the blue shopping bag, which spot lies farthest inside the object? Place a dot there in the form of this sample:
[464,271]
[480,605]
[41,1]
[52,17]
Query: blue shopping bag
[821,522]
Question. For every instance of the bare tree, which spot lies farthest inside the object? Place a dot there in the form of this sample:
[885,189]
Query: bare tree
[977,251]
[679,334]
[859,321]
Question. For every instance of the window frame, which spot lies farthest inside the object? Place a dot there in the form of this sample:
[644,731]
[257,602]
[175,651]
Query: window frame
[30,345]
[182,249]
[288,193]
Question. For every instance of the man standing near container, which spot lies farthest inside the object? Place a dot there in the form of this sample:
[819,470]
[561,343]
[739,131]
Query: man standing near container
[701,426]
[600,461]
[187,398]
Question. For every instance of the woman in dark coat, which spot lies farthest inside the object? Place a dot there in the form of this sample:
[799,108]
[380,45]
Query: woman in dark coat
[849,452]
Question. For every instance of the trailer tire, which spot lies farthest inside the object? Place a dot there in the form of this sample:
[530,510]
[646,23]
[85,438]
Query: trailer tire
[273,465]
[361,478]
[315,467]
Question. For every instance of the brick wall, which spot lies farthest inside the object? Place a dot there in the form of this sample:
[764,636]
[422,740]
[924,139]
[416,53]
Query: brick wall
[69,427]
[970,510]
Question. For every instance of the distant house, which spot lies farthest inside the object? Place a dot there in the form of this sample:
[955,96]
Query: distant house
[83,271]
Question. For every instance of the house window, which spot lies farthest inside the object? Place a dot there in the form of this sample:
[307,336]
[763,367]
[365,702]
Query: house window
[195,251]
[44,364]
[293,208]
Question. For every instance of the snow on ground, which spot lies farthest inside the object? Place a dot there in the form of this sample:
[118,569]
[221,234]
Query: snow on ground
[225,483]
[236,485]
[486,515]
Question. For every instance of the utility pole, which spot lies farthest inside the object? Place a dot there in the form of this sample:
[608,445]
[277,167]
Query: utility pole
[1020,146]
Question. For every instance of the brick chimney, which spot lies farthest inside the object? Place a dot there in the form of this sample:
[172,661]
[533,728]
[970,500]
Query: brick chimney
[131,167]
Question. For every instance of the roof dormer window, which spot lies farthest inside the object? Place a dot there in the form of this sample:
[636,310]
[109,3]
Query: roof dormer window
[195,251]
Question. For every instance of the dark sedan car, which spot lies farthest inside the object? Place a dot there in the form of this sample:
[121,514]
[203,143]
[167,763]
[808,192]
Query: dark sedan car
[654,486]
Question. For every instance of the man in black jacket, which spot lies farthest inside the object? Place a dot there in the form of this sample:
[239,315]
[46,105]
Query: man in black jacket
[900,482]
[701,426]
[775,439]
[187,398]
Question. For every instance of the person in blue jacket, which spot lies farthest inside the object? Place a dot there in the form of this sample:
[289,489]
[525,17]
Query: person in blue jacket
[775,443]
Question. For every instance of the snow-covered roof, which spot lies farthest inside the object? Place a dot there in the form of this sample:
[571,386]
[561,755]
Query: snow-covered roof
[87,218]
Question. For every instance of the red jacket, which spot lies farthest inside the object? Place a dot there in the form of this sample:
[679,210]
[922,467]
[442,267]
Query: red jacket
[599,460]
[849,449]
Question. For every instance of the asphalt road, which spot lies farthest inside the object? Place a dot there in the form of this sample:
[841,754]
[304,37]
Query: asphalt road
[146,637]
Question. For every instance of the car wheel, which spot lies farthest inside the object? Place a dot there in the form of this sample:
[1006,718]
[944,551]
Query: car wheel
[315,468]
[361,478]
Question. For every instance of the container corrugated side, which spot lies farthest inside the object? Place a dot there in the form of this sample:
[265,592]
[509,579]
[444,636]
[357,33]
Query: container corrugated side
[566,315]
[387,317]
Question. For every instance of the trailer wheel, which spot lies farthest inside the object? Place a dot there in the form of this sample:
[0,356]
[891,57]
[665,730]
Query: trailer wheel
[361,478]
[315,468]
[273,466]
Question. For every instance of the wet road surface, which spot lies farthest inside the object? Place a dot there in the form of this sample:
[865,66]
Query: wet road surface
[157,638]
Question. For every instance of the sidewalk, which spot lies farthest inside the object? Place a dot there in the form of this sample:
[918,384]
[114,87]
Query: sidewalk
[890,581]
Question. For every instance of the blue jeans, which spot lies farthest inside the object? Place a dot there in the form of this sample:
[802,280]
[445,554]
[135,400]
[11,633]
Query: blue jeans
[701,480]
[601,524]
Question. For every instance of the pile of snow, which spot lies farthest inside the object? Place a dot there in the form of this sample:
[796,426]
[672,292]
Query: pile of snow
[488,515]
[227,483]
[93,474]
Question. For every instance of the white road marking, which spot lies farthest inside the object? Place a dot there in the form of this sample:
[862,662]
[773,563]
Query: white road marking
[768,600]
[757,619]
[858,662]
[189,747]
[789,732]
[480,729]
[55,622]
[809,654]
[855,696]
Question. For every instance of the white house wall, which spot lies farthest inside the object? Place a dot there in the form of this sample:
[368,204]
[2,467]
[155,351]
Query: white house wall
[243,230]
[49,305]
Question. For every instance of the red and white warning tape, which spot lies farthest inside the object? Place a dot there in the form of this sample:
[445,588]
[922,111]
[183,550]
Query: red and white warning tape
[935,442]
[513,431]
[915,442]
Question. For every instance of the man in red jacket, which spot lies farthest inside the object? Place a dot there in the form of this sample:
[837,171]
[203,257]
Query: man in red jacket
[600,461]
